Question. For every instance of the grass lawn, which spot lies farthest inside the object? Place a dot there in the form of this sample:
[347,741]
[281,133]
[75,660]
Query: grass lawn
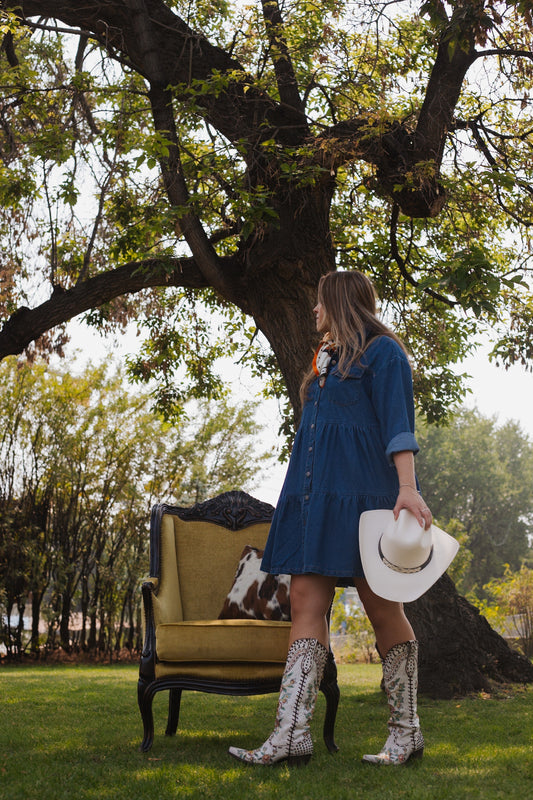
[73,732]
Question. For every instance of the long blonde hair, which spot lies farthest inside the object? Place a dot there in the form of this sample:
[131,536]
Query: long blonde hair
[350,304]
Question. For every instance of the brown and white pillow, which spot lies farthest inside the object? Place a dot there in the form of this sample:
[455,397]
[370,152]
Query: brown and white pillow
[255,594]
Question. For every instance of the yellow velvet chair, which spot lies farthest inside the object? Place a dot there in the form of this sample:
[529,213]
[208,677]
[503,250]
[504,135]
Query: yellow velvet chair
[194,553]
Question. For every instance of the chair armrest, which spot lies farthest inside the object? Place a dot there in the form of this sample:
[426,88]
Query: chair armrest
[147,665]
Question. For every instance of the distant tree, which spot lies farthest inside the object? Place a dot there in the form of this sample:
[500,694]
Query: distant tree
[82,460]
[481,474]
[25,547]
[215,452]
[349,619]
[513,593]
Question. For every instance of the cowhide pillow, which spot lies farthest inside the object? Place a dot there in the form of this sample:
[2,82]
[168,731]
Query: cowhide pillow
[256,594]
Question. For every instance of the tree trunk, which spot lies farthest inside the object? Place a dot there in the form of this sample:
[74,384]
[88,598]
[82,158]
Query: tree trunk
[36,600]
[119,632]
[92,639]
[64,629]
[84,604]
[280,277]
[459,651]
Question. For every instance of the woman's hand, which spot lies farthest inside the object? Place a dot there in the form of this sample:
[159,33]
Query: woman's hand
[410,498]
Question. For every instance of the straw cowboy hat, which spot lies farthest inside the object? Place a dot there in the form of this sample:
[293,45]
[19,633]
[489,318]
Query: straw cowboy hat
[400,559]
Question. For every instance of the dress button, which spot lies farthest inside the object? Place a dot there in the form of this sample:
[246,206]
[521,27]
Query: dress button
[312,425]
[310,449]
[308,474]
[306,497]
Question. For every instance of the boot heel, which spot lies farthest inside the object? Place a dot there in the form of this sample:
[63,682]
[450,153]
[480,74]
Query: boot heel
[299,761]
[416,754]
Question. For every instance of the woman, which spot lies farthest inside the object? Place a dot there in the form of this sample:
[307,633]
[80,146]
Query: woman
[354,451]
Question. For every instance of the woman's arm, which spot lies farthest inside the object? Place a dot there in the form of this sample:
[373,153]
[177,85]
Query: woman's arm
[408,495]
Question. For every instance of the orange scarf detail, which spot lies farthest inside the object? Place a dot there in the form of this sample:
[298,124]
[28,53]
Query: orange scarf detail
[326,346]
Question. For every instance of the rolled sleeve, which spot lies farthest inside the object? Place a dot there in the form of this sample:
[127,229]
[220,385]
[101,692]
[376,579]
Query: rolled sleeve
[392,398]
[402,441]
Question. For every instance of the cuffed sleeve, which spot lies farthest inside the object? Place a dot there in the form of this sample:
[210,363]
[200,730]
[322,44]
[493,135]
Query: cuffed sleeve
[402,441]
[392,399]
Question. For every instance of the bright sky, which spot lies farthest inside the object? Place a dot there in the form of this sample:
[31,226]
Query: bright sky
[506,394]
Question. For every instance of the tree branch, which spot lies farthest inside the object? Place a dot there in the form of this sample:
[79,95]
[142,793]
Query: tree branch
[281,58]
[443,91]
[184,55]
[504,51]
[9,47]
[171,168]
[178,195]
[402,264]
[26,324]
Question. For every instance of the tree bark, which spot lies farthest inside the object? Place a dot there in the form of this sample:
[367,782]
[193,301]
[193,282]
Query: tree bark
[459,651]
[28,324]
[36,601]
[280,281]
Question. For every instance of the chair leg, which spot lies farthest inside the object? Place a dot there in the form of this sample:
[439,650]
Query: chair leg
[144,698]
[330,689]
[174,700]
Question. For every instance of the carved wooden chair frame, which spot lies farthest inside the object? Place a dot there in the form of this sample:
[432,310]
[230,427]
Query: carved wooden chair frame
[234,511]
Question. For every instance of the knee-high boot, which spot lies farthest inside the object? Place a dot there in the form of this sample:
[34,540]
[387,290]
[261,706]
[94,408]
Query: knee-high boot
[400,678]
[291,738]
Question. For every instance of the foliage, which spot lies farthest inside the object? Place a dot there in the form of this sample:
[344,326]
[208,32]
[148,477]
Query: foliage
[82,461]
[513,597]
[479,475]
[64,724]
[349,621]
[458,569]
[202,190]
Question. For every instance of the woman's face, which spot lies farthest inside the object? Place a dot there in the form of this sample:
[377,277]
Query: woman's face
[320,317]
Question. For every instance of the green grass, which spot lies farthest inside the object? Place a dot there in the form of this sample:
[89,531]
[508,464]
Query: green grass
[74,732]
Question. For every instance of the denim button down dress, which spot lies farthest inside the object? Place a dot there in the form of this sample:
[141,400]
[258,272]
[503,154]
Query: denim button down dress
[341,464]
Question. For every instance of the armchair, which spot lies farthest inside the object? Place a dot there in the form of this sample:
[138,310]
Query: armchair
[194,553]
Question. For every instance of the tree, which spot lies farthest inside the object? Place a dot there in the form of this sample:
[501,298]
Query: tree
[349,620]
[481,474]
[513,594]
[237,153]
[289,138]
[82,461]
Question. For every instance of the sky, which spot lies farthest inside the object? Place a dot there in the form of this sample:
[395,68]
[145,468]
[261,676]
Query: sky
[504,394]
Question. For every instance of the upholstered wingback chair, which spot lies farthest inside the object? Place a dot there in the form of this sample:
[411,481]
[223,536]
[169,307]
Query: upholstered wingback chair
[194,556]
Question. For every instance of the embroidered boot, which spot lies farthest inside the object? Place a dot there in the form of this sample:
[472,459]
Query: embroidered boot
[291,738]
[400,678]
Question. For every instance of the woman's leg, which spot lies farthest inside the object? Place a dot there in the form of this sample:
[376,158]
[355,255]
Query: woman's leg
[311,596]
[388,619]
[398,649]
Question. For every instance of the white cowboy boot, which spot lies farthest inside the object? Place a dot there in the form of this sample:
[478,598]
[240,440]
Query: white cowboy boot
[291,738]
[400,678]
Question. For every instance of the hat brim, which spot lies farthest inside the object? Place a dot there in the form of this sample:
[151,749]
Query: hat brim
[388,583]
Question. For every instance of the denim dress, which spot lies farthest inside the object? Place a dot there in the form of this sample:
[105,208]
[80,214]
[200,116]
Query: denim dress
[341,464]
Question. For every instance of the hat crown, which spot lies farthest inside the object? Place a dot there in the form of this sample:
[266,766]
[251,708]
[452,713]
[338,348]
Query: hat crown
[405,545]
[400,559]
